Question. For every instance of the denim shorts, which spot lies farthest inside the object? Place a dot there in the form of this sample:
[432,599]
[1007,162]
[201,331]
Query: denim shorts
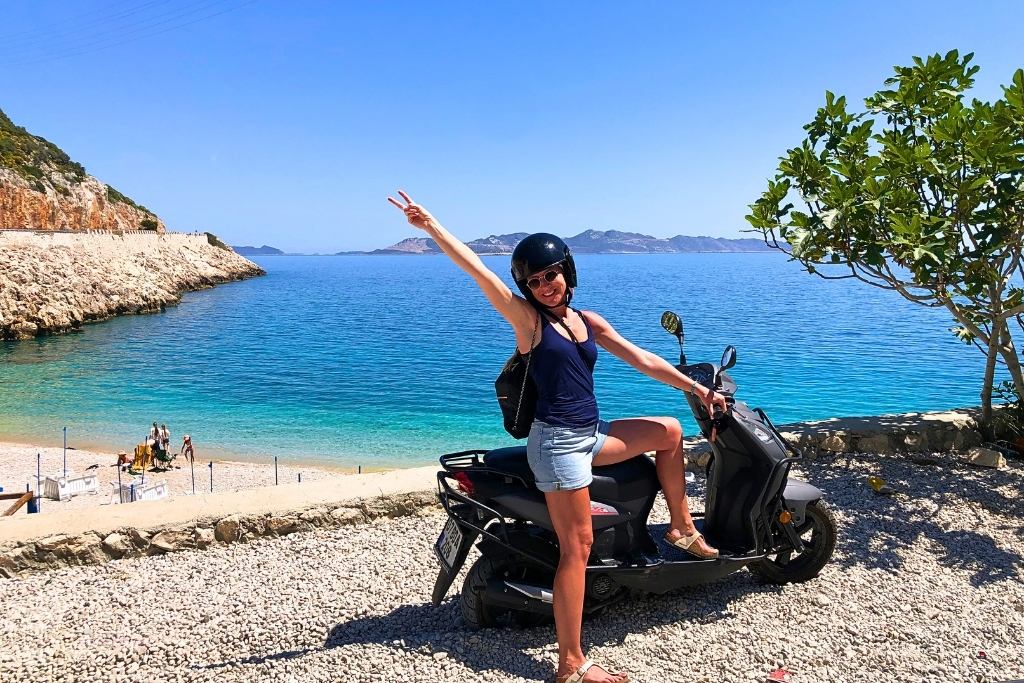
[561,457]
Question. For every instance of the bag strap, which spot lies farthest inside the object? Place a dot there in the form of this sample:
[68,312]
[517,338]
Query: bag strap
[566,327]
[526,375]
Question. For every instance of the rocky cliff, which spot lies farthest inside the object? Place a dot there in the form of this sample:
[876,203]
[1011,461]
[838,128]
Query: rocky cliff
[54,282]
[41,188]
[83,205]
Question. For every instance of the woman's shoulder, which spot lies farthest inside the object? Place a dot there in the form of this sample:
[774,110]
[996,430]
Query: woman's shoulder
[592,317]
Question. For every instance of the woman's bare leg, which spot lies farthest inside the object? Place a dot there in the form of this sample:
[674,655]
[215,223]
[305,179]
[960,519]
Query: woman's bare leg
[570,515]
[663,435]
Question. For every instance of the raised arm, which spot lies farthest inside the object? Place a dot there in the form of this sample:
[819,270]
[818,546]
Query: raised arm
[512,307]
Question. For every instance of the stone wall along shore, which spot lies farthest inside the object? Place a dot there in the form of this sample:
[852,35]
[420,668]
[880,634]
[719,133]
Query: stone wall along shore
[951,430]
[55,282]
[910,433]
[61,549]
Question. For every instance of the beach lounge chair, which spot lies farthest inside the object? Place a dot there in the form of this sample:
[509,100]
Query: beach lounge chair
[135,490]
[62,486]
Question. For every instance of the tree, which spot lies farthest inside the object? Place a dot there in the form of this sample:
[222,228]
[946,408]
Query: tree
[923,194]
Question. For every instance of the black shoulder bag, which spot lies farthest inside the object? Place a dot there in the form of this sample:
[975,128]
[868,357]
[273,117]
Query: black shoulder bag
[516,392]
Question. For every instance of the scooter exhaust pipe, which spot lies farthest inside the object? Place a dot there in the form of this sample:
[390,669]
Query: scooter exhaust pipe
[516,596]
[535,592]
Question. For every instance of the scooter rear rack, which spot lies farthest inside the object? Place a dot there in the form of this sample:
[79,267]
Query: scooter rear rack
[479,516]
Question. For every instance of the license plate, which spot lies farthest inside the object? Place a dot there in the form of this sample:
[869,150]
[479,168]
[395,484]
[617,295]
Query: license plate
[448,544]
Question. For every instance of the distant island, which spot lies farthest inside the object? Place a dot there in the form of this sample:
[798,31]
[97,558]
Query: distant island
[257,251]
[588,242]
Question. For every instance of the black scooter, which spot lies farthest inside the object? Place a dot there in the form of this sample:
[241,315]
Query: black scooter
[756,515]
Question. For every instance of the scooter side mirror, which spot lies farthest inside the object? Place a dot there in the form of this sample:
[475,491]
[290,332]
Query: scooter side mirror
[728,357]
[672,323]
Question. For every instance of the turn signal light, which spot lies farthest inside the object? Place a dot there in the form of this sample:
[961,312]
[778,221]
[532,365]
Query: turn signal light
[785,517]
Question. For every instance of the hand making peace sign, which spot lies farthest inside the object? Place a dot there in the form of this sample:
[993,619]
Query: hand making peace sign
[416,214]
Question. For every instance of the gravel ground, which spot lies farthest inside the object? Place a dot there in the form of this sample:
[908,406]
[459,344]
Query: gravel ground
[18,467]
[925,586]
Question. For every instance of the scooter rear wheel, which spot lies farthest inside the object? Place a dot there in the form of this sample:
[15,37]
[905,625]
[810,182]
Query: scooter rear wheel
[476,613]
[818,534]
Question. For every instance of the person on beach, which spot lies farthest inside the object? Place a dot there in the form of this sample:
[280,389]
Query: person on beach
[153,441]
[165,438]
[567,437]
[187,450]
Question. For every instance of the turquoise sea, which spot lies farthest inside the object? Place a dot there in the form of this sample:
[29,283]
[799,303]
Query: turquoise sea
[390,360]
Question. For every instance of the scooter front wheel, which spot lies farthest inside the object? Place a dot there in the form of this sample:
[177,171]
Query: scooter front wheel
[818,533]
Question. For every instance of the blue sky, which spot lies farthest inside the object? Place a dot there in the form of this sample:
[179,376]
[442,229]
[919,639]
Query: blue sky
[288,123]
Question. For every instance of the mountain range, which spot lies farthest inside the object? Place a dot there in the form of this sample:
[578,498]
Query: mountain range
[245,250]
[587,242]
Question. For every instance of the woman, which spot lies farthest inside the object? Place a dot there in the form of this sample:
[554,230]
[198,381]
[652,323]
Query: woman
[187,450]
[567,438]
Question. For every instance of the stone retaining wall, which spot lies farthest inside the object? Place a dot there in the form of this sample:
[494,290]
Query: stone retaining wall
[954,430]
[61,550]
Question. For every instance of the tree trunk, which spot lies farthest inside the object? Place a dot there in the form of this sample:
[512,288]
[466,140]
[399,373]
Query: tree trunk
[1009,354]
[987,426]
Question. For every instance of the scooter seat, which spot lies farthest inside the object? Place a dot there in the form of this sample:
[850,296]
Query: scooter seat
[511,461]
[629,480]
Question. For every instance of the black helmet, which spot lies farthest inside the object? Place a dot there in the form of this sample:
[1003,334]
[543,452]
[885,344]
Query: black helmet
[538,251]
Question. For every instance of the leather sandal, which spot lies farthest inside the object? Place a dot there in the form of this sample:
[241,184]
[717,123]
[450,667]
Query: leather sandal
[577,675]
[687,543]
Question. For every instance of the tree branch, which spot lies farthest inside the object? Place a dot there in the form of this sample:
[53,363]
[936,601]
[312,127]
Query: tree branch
[962,319]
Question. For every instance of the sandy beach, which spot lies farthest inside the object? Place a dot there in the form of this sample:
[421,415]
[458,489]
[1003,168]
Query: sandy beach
[18,468]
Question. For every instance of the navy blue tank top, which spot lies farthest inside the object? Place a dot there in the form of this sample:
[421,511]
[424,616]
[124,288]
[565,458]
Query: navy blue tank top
[564,374]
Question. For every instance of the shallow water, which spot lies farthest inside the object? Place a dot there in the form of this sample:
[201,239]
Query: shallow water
[390,360]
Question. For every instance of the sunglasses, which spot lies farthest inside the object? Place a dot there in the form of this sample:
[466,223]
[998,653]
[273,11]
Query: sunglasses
[547,276]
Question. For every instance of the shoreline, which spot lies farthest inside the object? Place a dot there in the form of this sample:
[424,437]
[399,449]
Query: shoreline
[906,433]
[204,454]
[18,468]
